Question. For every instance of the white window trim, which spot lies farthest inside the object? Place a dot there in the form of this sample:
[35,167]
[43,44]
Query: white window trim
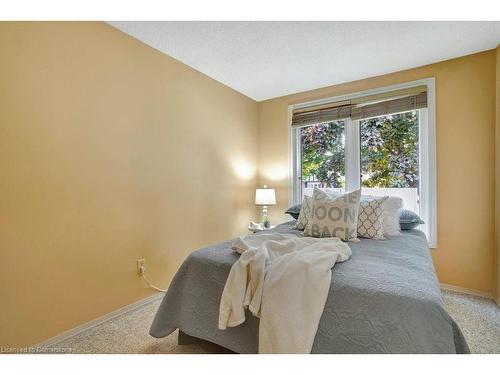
[352,159]
[427,152]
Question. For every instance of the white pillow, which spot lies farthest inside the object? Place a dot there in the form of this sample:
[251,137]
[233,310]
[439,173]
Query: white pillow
[334,217]
[392,210]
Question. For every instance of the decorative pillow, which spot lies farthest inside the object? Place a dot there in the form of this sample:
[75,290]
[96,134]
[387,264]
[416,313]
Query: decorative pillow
[294,211]
[409,220]
[370,223]
[334,217]
[390,217]
[305,213]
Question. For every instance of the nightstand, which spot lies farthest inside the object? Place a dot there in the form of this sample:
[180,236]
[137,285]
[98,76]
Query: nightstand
[255,230]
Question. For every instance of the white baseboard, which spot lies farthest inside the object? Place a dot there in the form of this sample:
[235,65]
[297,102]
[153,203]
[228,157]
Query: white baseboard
[473,292]
[93,323]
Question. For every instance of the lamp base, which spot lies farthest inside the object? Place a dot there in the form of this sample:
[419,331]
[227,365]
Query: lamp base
[265,218]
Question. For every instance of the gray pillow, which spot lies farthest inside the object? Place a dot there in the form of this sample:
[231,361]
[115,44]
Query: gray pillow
[409,220]
[294,211]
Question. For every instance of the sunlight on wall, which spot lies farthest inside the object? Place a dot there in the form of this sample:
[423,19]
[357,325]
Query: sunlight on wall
[243,169]
[275,172]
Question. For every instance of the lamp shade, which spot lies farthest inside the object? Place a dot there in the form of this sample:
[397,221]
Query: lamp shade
[265,197]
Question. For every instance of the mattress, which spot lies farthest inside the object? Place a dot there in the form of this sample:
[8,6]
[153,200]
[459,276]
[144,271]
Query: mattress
[384,299]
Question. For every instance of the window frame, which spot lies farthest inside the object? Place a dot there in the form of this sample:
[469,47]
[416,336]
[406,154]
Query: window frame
[427,152]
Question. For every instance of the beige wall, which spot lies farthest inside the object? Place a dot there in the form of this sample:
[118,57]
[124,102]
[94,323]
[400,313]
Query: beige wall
[465,127]
[109,151]
[497,174]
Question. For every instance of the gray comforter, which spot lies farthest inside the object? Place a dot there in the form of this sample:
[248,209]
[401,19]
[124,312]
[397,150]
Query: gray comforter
[385,299]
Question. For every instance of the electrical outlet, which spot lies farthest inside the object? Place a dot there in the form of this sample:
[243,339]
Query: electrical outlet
[141,266]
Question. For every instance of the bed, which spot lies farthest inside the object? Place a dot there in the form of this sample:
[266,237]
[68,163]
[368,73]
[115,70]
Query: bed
[385,299]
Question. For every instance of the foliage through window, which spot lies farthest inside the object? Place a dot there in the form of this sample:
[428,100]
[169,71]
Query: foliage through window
[323,155]
[389,151]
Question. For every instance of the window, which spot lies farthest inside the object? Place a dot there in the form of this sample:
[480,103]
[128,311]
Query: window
[389,156]
[323,155]
[383,152]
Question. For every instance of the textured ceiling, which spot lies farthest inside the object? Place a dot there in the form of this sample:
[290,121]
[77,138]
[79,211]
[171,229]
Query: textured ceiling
[264,60]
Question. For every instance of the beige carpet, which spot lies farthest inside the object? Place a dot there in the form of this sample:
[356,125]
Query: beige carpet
[479,319]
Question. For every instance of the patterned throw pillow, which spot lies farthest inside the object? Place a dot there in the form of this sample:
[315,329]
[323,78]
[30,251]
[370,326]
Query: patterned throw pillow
[390,217]
[370,218]
[334,217]
[305,213]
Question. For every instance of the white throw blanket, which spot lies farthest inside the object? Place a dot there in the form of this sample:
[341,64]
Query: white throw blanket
[284,280]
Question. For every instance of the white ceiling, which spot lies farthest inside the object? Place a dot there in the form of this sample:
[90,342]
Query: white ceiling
[264,60]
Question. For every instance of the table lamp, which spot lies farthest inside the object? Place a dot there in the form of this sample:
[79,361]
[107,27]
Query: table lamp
[265,197]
